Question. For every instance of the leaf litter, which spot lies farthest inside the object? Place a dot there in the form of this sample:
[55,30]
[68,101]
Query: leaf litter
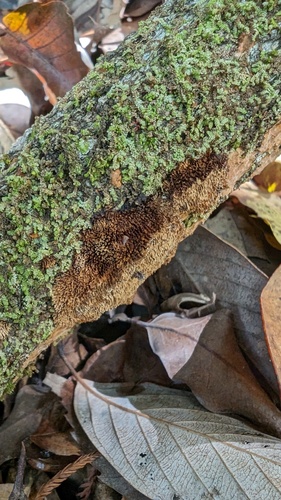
[152,351]
[195,325]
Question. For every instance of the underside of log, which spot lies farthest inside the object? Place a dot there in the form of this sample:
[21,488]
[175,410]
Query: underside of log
[95,194]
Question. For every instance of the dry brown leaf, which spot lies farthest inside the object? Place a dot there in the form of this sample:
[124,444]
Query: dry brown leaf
[205,264]
[128,359]
[271,317]
[221,379]
[60,443]
[234,225]
[40,36]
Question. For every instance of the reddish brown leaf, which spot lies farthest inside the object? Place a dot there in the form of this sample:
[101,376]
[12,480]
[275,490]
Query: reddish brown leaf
[271,317]
[40,36]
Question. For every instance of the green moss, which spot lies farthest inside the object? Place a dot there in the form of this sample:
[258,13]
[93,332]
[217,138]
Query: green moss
[176,89]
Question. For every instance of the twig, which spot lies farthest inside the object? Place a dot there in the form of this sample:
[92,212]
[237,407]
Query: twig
[18,488]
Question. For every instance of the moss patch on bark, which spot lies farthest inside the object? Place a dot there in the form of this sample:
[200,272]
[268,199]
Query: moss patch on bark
[183,85]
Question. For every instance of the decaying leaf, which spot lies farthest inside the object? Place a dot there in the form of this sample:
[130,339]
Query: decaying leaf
[174,339]
[205,264]
[40,36]
[167,446]
[220,378]
[74,351]
[234,225]
[271,317]
[205,356]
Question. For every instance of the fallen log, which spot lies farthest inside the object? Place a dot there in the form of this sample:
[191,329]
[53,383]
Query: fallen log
[97,195]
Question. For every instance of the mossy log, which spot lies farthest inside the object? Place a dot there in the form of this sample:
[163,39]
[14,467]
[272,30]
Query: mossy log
[95,194]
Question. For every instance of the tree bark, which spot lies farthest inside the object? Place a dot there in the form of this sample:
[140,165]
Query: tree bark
[95,194]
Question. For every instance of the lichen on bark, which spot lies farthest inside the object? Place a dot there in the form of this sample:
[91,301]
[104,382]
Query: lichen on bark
[183,85]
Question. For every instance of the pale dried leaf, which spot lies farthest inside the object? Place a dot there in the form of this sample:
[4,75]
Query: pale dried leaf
[175,338]
[168,447]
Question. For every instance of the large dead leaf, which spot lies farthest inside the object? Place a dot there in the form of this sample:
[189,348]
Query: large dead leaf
[40,36]
[271,316]
[203,353]
[205,264]
[60,443]
[167,446]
